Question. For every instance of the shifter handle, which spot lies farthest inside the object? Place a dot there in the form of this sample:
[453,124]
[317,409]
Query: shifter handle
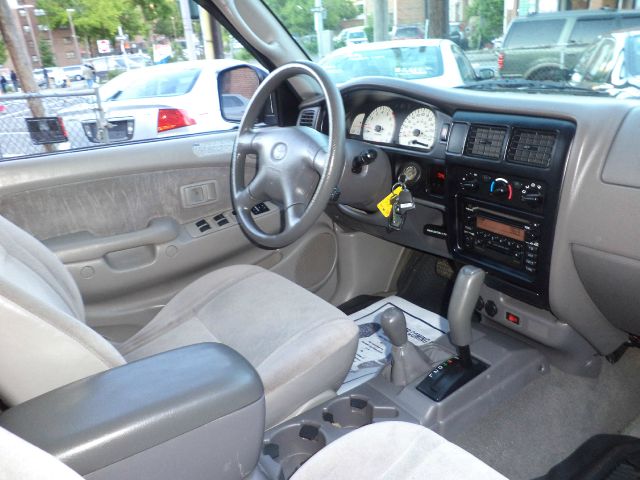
[394,325]
[462,303]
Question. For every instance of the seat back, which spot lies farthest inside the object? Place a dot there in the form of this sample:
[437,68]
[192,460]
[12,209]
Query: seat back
[21,460]
[44,341]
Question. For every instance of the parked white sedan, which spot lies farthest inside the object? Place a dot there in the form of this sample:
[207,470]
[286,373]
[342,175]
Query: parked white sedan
[431,62]
[165,100]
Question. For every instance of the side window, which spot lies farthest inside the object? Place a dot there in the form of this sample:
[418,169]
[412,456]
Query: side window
[586,31]
[534,33]
[629,22]
[123,87]
[601,64]
[467,72]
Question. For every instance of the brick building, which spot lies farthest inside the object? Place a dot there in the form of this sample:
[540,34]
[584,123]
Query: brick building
[33,23]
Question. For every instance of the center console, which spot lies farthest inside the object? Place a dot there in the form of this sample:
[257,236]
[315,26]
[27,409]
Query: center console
[504,175]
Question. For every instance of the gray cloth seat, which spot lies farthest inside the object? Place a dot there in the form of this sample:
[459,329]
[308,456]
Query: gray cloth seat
[301,345]
[394,450]
[387,450]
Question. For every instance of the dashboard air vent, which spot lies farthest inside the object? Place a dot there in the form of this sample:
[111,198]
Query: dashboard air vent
[309,117]
[485,141]
[531,147]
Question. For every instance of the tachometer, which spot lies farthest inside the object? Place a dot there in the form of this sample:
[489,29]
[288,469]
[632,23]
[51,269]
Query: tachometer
[356,126]
[418,129]
[379,125]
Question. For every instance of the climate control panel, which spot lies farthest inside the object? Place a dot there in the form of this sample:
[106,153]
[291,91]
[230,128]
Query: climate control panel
[512,191]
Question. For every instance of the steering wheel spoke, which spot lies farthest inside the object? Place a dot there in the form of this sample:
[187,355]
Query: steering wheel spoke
[293,214]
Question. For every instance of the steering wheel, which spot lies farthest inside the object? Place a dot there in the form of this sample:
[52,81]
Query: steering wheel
[297,168]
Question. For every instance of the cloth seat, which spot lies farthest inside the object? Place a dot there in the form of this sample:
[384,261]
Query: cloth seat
[394,450]
[301,345]
[387,450]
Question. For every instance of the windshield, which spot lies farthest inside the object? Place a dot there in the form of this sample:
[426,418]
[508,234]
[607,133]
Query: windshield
[501,44]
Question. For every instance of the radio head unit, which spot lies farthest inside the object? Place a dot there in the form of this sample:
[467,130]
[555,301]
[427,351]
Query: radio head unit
[511,241]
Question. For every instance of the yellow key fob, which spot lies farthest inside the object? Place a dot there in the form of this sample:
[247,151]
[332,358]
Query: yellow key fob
[385,205]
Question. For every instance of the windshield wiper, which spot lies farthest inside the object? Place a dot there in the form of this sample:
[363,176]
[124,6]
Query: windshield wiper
[530,86]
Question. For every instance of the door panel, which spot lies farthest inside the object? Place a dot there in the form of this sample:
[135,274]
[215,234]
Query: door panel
[119,217]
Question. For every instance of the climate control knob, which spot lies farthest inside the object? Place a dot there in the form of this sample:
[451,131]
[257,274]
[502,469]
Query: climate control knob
[501,188]
[532,195]
[470,182]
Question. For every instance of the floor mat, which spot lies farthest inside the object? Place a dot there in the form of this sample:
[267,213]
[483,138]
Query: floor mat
[358,303]
[602,457]
[423,283]
[374,348]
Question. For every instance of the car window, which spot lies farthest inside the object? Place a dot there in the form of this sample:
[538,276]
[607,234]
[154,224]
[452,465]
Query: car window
[535,33]
[466,69]
[107,86]
[632,56]
[601,62]
[587,30]
[629,22]
[395,61]
[165,84]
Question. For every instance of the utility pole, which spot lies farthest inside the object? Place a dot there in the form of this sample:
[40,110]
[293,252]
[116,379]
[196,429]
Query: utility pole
[438,19]
[216,37]
[318,22]
[188,29]
[76,47]
[380,20]
[14,41]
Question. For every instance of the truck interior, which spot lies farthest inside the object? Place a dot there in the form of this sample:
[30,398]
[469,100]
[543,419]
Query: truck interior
[189,308]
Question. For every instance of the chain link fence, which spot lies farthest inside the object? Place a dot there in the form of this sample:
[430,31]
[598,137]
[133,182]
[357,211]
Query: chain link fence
[77,116]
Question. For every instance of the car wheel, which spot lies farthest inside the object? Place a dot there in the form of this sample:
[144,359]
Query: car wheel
[547,73]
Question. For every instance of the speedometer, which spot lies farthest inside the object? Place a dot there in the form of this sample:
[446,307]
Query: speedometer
[418,129]
[379,125]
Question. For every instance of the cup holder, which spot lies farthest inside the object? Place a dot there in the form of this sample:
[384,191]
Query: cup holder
[294,445]
[349,412]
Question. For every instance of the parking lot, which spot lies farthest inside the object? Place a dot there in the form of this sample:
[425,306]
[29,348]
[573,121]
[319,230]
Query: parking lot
[15,139]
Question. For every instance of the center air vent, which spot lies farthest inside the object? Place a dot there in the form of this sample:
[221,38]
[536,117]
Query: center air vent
[485,141]
[309,117]
[531,147]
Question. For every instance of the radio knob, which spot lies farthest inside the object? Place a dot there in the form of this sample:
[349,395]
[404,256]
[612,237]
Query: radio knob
[501,188]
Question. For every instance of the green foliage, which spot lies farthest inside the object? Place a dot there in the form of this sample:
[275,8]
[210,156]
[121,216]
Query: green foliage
[98,19]
[3,52]
[46,54]
[487,23]
[165,25]
[298,18]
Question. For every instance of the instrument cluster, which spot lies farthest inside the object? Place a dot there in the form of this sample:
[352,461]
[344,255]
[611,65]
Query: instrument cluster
[403,124]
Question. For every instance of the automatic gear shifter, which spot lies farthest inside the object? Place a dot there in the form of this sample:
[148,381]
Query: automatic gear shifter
[463,301]
[456,371]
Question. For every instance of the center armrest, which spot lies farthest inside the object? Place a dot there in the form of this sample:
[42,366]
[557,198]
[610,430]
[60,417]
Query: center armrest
[160,401]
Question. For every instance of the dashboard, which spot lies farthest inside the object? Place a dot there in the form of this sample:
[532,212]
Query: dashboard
[536,189]
[493,178]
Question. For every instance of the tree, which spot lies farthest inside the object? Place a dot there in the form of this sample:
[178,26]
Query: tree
[46,54]
[298,19]
[486,16]
[438,19]
[3,52]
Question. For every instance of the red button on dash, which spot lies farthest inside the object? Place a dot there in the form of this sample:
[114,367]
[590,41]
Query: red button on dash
[513,318]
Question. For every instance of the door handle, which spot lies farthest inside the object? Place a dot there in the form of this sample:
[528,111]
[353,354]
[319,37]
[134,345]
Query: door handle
[83,246]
